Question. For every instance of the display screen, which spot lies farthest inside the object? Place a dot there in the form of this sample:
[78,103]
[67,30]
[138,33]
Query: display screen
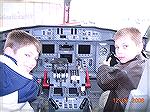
[48,48]
[68,56]
[73,91]
[57,90]
[66,47]
[84,49]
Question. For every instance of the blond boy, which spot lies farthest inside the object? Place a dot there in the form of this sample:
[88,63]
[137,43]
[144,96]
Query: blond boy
[125,76]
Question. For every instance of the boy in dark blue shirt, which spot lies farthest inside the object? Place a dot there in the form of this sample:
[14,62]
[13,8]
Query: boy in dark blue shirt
[17,85]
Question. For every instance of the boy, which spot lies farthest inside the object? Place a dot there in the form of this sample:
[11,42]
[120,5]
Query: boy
[125,76]
[17,86]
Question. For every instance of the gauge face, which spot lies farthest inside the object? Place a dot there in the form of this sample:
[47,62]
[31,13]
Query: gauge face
[102,51]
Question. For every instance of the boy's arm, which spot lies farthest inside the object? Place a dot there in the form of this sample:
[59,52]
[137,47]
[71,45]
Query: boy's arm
[108,78]
[29,92]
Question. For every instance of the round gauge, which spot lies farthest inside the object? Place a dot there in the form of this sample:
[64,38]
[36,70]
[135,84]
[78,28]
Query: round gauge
[102,51]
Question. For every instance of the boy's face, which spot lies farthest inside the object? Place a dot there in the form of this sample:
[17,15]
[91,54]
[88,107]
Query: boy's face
[126,49]
[26,57]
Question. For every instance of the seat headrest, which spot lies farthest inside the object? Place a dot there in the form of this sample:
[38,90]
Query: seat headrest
[147,49]
[148,46]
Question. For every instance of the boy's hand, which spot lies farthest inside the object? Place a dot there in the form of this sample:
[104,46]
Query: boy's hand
[107,62]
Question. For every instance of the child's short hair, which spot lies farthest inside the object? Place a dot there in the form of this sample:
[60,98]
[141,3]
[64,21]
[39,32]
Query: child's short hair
[19,38]
[131,31]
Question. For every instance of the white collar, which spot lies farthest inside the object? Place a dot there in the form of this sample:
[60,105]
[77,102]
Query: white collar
[14,67]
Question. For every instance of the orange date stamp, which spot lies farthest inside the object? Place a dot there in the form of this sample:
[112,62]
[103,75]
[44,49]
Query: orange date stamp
[125,100]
